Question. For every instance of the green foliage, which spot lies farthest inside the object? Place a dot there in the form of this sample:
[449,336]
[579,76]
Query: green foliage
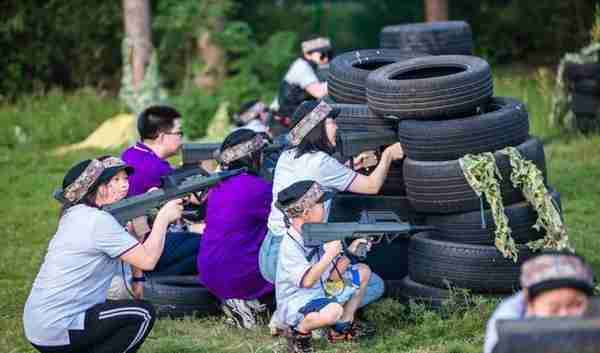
[66,43]
[54,119]
[540,31]
[197,109]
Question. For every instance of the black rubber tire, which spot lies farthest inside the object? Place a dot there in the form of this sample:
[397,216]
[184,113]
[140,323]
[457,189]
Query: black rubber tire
[587,86]
[347,206]
[394,182]
[479,268]
[504,123]
[466,228]
[573,72]
[436,38]
[587,123]
[585,104]
[440,187]
[406,290]
[358,117]
[177,296]
[348,72]
[431,87]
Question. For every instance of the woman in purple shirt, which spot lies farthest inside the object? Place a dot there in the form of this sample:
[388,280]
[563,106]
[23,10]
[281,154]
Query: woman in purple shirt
[236,224]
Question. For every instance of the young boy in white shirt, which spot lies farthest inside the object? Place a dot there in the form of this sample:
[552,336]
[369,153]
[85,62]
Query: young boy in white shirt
[317,287]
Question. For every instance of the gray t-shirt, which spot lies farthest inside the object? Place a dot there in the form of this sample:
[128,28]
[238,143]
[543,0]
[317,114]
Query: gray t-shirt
[301,74]
[292,266]
[317,166]
[82,258]
[512,308]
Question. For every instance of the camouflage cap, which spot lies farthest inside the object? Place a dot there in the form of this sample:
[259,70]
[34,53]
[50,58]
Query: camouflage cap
[552,271]
[93,172]
[243,149]
[301,196]
[320,43]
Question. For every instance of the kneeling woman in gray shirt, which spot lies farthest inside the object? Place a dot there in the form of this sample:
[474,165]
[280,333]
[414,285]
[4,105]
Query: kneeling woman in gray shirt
[67,310]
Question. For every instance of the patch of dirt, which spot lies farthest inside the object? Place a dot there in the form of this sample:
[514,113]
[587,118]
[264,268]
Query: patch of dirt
[113,133]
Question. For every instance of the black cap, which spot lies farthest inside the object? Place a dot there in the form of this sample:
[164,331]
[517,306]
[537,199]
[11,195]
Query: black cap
[306,107]
[295,191]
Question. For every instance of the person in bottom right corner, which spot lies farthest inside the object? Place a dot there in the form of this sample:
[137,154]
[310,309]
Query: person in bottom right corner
[321,287]
[555,284]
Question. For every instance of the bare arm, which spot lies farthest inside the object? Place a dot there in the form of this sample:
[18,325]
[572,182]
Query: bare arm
[332,249]
[314,273]
[145,255]
[317,89]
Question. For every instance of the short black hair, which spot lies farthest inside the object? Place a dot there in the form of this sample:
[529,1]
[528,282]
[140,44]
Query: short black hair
[253,161]
[156,119]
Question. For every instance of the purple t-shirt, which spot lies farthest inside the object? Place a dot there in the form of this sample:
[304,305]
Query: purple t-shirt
[148,168]
[236,224]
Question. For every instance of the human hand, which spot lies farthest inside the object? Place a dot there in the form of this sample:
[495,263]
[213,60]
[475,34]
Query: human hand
[357,243]
[395,151]
[333,248]
[171,211]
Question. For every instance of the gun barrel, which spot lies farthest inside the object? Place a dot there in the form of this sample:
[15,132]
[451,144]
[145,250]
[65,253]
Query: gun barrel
[315,234]
[193,153]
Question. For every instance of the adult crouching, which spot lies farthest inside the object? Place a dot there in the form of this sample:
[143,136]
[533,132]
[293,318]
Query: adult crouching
[67,310]
[236,224]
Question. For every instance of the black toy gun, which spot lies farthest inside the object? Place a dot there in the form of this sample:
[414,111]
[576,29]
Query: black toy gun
[373,225]
[350,144]
[173,187]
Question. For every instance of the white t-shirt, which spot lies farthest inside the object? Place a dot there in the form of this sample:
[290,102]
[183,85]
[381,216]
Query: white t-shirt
[317,166]
[82,258]
[301,74]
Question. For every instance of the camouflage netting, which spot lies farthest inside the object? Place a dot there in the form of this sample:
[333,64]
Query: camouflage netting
[481,173]
[150,91]
[526,176]
[561,114]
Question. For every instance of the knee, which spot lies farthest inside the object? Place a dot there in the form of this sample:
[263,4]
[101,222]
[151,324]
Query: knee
[148,308]
[332,313]
[365,274]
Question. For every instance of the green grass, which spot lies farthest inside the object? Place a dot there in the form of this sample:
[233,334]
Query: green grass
[29,218]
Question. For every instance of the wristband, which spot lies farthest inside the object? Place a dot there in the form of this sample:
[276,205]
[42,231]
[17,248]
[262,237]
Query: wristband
[138,279]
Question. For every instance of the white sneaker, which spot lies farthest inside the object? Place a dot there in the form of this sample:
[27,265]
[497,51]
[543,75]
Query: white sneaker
[240,313]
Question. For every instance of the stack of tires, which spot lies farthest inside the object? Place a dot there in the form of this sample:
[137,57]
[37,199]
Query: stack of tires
[348,73]
[445,109]
[347,91]
[435,38]
[583,82]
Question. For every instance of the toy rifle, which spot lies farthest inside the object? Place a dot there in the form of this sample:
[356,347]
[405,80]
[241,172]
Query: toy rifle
[350,144]
[372,225]
[173,187]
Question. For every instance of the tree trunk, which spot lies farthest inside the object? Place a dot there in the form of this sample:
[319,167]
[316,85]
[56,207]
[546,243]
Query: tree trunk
[213,58]
[436,10]
[136,15]
[210,53]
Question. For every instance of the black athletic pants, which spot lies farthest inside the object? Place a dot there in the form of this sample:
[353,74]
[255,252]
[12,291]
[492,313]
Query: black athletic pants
[116,326]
